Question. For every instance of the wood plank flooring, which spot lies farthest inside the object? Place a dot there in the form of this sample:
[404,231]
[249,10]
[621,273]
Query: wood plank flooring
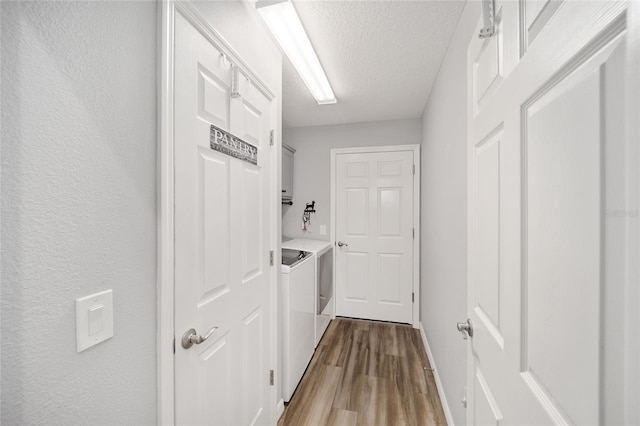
[366,373]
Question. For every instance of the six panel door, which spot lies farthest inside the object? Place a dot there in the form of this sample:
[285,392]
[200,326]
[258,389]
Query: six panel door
[222,234]
[374,219]
[547,162]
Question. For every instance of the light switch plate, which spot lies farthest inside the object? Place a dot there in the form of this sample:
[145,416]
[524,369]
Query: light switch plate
[94,319]
[323,229]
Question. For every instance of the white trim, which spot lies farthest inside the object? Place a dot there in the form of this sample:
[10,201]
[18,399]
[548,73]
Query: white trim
[384,148]
[332,222]
[276,246]
[165,338]
[277,349]
[632,292]
[279,410]
[416,236]
[0,232]
[436,376]
[165,203]
[416,215]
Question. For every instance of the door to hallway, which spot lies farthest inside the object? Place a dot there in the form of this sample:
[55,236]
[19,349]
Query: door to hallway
[550,260]
[375,214]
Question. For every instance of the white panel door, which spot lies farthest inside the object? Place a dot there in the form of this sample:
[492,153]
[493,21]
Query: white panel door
[222,228]
[548,262]
[374,224]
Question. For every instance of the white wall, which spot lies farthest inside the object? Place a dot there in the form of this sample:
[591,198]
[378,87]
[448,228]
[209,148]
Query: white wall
[443,280]
[312,168]
[78,209]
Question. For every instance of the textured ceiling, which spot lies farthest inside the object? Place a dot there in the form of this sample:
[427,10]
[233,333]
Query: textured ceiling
[381,58]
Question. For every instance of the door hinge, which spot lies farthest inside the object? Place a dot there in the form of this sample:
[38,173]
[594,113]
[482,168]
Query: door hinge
[413,298]
[414,169]
[174,345]
[271,377]
[271,137]
[271,258]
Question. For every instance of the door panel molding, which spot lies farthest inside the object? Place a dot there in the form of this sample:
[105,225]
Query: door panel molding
[363,172]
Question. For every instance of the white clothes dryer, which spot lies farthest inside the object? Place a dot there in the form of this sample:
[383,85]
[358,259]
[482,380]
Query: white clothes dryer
[298,317]
[323,280]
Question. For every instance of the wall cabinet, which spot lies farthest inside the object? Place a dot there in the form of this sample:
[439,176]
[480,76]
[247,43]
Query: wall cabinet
[287,172]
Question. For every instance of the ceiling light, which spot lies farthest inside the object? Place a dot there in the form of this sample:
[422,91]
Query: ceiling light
[284,23]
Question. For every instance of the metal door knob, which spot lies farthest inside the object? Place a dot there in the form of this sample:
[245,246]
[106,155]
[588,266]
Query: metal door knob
[466,328]
[191,337]
[340,244]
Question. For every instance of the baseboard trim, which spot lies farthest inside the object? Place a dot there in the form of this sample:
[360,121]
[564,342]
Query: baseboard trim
[443,398]
[279,409]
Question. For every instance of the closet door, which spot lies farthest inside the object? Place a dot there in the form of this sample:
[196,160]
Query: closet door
[223,224]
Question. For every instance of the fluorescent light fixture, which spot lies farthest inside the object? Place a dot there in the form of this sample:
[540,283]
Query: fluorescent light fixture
[284,23]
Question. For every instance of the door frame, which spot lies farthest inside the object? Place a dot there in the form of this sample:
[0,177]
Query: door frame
[415,148]
[165,284]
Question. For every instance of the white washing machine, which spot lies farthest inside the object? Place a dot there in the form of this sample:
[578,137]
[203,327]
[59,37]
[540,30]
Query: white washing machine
[298,316]
[323,280]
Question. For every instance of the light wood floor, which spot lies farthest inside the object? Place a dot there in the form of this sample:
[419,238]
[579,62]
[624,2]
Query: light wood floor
[366,373]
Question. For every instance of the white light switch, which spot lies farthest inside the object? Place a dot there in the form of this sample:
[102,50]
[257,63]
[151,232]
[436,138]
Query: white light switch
[94,319]
[323,229]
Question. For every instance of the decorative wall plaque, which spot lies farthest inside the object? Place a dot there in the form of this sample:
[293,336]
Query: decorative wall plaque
[226,143]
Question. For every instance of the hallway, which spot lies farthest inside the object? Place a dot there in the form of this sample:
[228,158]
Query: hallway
[366,373]
[471,167]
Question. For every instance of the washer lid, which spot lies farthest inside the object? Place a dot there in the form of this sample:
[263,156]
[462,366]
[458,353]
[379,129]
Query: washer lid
[314,246]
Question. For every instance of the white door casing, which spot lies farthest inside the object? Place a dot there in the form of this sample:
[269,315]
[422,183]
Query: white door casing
[374,203]
[549,261]
[223,225]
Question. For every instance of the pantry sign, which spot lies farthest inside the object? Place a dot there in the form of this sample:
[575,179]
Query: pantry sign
[226,143]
